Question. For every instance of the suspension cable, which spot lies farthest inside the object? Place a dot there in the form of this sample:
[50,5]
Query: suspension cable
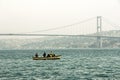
[51,29]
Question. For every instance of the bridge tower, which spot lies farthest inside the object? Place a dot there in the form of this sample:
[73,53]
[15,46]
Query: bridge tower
[99,29]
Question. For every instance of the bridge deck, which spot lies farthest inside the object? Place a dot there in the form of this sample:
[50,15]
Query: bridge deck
[58,35]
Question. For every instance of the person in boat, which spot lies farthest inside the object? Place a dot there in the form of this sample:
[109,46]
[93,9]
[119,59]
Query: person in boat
[36,55]
[52,54]
[44,54]
[48,55]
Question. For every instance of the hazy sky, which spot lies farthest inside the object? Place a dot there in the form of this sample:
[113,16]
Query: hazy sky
[34,15]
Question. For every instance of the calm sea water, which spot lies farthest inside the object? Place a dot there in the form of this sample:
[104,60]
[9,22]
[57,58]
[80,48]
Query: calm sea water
[75,64]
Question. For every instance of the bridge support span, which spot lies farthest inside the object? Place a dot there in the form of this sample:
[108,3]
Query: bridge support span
[99,30]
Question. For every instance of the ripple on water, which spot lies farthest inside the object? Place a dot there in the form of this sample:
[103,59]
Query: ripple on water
[74,65]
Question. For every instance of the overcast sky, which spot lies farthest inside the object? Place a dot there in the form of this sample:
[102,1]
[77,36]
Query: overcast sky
[34,15]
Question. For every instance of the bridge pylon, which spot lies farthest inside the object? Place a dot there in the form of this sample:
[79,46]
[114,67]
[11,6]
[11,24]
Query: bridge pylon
[99,30]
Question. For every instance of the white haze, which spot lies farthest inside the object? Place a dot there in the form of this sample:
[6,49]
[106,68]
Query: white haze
[17,16]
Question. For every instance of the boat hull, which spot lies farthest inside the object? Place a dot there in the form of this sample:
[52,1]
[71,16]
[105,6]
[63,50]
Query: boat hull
[47,58]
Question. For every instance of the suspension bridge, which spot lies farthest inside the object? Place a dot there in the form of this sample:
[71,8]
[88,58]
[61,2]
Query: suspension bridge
[76,29]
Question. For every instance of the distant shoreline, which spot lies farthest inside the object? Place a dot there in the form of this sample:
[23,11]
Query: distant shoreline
[67,49]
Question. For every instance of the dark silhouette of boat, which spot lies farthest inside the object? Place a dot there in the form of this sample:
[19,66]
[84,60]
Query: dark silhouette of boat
[55,57]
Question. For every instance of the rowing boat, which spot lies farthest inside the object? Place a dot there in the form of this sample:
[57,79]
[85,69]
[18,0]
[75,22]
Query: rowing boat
[47,58]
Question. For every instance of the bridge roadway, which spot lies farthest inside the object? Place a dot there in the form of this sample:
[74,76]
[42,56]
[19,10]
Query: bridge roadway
[59,35]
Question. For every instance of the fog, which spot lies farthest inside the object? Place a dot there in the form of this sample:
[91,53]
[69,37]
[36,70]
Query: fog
[17,16]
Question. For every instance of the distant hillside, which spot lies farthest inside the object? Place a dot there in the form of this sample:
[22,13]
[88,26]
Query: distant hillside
[60,42]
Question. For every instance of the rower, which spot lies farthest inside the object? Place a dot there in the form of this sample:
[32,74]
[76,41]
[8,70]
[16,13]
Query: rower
[44,54]
[36,55]
[52,54]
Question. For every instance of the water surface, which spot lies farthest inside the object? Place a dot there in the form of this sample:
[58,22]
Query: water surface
[75,64]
